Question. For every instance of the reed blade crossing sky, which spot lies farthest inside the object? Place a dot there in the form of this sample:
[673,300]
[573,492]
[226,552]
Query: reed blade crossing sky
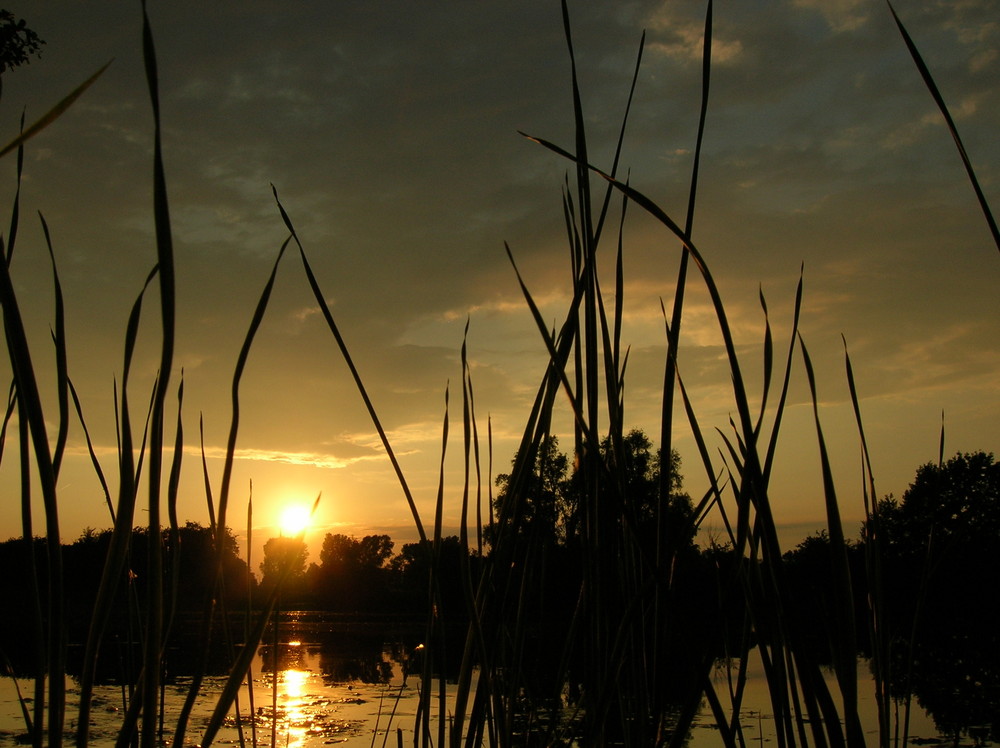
[390,131]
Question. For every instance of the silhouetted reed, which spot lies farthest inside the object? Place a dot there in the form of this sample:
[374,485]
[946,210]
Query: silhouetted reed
[623,666]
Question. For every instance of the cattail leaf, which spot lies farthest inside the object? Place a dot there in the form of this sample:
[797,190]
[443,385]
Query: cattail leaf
[54,113]
[928,79]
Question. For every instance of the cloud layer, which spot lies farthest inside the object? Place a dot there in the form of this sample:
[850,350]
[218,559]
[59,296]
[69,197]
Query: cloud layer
[390,132]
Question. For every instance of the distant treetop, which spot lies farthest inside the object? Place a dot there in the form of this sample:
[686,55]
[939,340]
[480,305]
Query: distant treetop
[18,43]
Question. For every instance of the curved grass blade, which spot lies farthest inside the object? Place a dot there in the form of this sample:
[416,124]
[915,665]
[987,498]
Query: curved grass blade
[164,251]
[173,488]
[941,443]
[328,316]
[846,648]
[478,464]
[581,160]
[15,210]
[53,114]
[878,632]
[660,215]
[204,473]
[248,612]
[35,595]
[674,328]
[241,362]
[582,421]
[714,490]
[11,404]
[31,411]
[621,135]
[7,671]
[114,564]
[59,341]
[247,652]
[437,621]
[768,360]
[925,73]
[673,334]
[467,420]
[220,523]
[51,653]
[783,397]
[90,449]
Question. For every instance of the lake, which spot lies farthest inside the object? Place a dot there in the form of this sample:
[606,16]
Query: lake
[345,683]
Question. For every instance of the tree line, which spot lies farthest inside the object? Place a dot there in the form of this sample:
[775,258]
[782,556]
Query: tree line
[936,546]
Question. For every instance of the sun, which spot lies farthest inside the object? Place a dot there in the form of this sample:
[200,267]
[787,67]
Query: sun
[294,519]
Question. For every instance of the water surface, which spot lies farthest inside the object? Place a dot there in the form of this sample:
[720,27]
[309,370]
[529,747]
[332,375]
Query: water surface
[328,681]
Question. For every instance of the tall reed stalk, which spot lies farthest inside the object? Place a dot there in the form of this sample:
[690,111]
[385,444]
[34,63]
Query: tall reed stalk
[143,717]
[626,614]
[621,647]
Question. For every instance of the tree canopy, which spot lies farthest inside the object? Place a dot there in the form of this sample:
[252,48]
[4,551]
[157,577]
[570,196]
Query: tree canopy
[939,545]
[284,559]
[548,507]
[18,43]
[947,507]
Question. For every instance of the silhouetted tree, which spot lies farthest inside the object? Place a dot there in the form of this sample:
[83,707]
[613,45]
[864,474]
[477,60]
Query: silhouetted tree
[412,574]
[947,508]
[18,43]
[189,584]
[84,558]
[352,574]
[543,507]
[284,561]
[940,544]
[809,570]
[374,551]
[197,565]
[641,490]
[548,507]
[578,542]
[344,553]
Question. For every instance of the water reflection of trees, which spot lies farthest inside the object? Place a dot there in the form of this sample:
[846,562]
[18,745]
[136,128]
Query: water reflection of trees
[342,658]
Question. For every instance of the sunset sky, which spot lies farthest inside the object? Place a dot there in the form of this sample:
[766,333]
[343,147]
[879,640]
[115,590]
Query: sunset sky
[390,131]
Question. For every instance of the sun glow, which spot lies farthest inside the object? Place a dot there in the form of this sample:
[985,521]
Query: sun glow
[294,519]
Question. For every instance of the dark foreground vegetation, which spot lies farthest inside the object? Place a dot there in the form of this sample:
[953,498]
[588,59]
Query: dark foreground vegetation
[587,615]
[938,551]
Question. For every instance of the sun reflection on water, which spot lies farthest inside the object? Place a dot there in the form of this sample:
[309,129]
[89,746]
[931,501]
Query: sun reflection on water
[292,692]
[311,698]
